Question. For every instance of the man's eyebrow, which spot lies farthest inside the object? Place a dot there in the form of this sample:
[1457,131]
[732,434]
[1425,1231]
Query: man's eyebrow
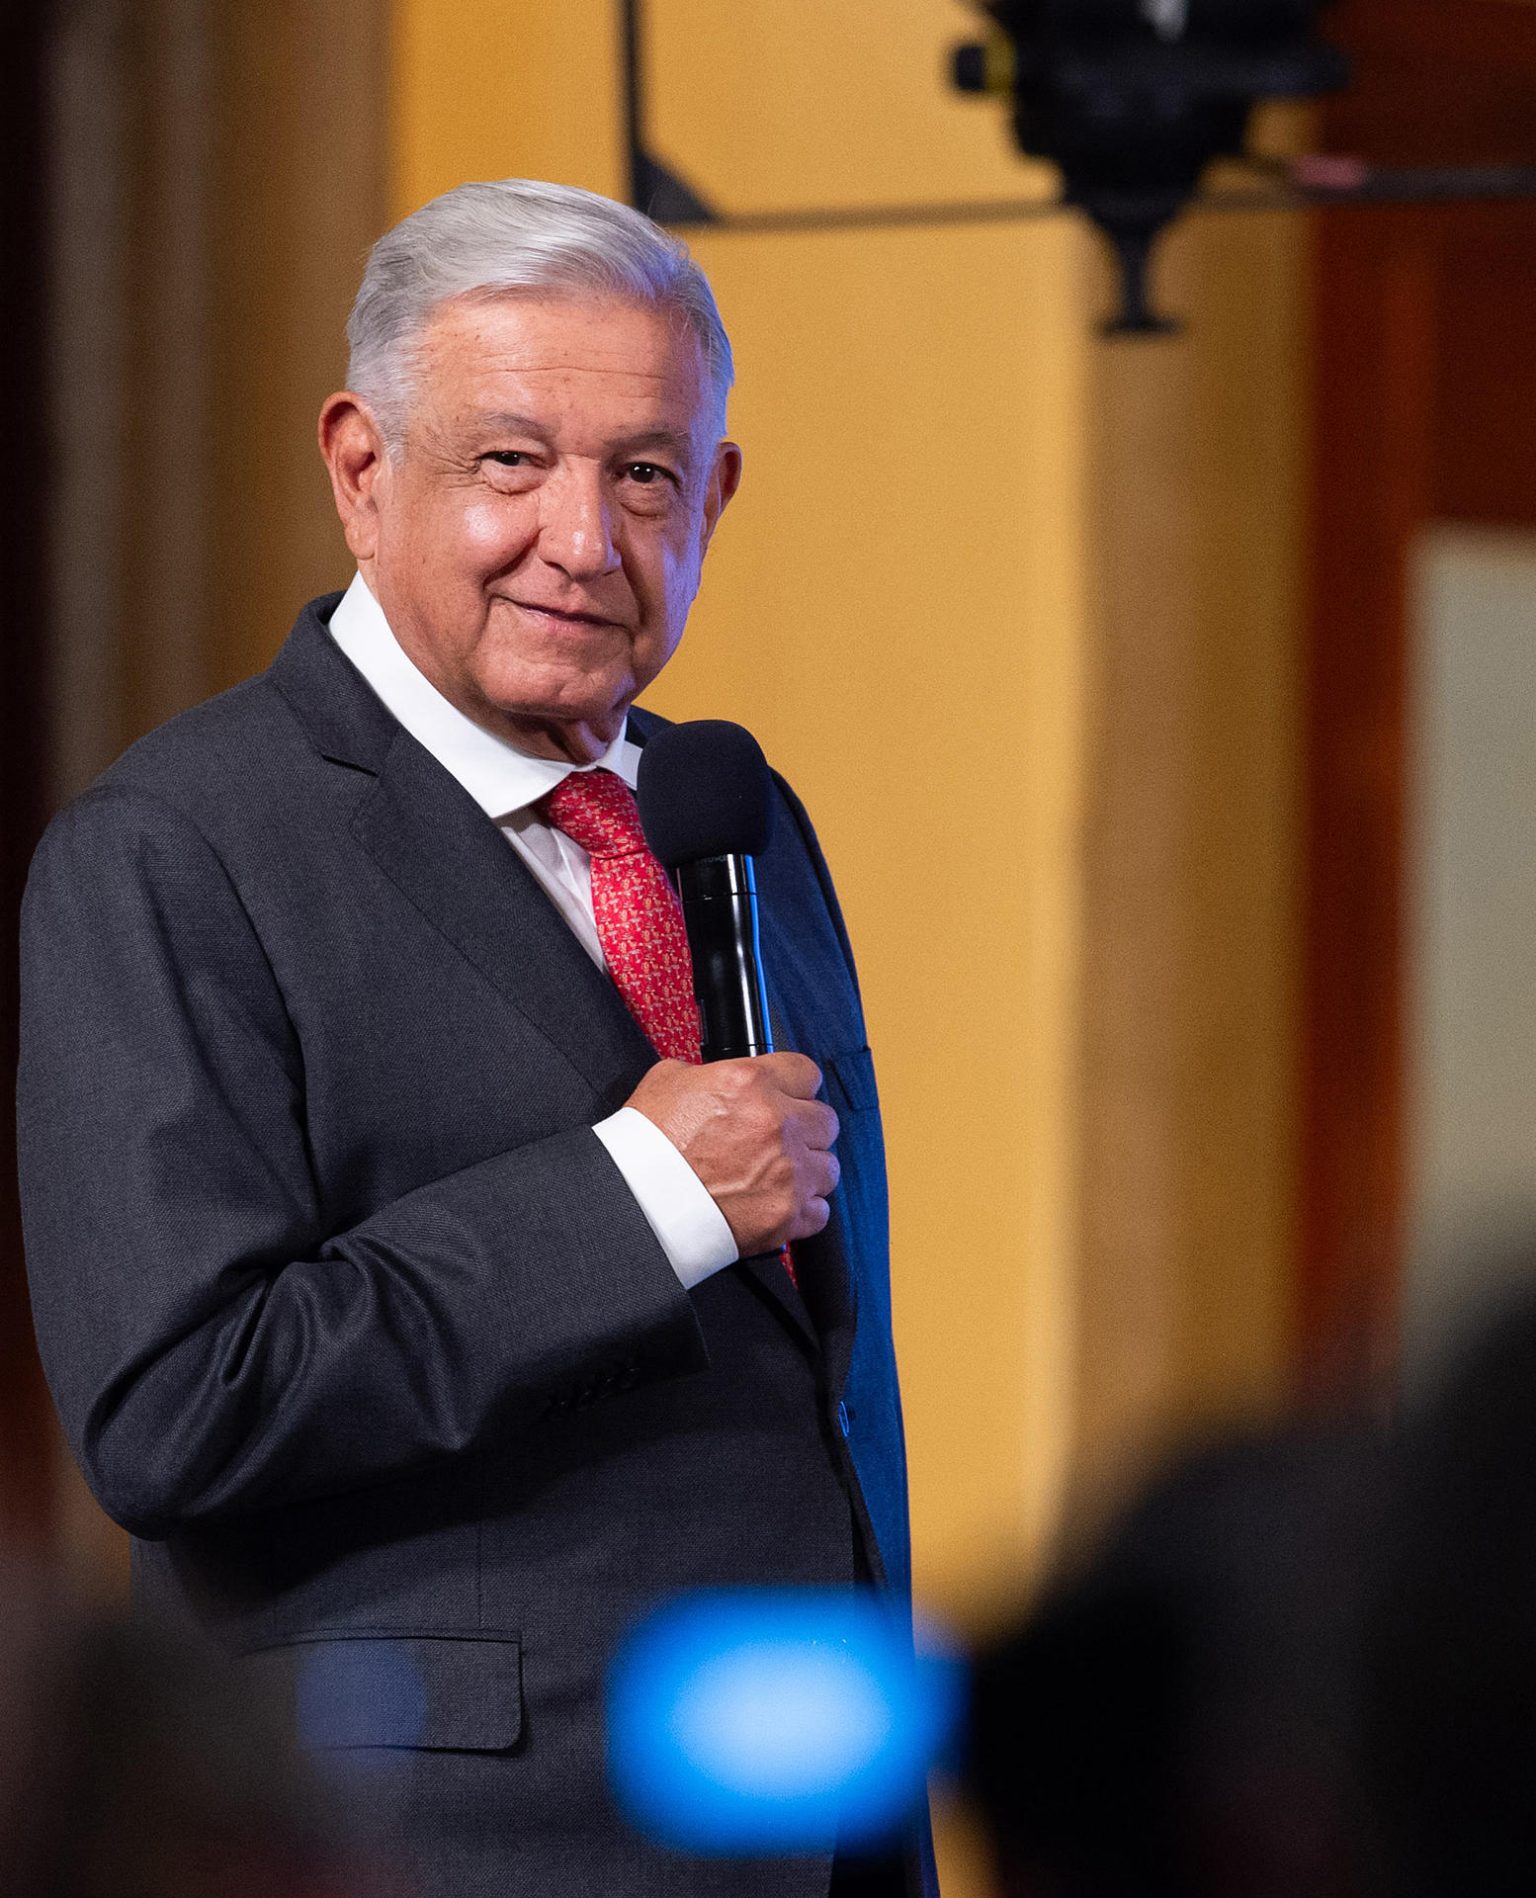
[506,422]
[679,442]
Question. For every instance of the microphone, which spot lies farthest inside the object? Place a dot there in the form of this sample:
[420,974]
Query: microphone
[706,806]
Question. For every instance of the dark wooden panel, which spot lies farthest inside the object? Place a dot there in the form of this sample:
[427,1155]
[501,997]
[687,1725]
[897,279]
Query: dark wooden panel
[25,1456]
[1424,410]
[1437,81]
[1376,285]
[1485,387]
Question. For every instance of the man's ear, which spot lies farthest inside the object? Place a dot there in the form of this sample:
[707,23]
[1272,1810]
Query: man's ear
[353,449]
[724,480]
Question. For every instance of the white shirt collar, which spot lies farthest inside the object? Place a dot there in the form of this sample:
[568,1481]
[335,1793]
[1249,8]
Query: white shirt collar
[500,778]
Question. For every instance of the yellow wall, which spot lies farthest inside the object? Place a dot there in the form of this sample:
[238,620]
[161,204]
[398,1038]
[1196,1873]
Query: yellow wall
[1016,610]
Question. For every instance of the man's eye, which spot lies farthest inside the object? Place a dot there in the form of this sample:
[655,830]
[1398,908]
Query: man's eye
[507,457]
[646,473]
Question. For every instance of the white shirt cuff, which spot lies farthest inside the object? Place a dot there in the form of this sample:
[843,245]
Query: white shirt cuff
[692,1230]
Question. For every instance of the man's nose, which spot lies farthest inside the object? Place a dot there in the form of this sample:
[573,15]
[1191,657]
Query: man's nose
[576,523]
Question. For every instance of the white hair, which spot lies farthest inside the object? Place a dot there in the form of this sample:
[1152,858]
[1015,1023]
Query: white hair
[486,240]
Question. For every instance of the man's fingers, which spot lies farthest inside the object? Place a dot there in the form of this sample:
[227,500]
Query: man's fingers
[821,1125]
[825,1173]
[794,1074]
[814,1216]
[812,1123]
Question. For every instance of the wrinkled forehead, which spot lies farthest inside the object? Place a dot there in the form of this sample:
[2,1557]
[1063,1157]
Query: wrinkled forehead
[593,360]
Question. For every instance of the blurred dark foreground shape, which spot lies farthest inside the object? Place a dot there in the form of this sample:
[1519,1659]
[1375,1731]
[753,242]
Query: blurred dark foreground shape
[1451,1733]
[1302,1666]
[1180,1719]
[134,1767]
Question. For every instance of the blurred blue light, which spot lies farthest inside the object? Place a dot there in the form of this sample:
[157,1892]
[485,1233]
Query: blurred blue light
[775,1721]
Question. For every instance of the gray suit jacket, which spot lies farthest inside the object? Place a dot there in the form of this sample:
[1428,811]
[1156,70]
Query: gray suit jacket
[349,1316]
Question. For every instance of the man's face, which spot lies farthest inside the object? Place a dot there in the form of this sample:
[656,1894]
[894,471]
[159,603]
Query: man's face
[536,542]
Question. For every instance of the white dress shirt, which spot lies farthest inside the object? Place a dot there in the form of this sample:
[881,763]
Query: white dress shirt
[507,783]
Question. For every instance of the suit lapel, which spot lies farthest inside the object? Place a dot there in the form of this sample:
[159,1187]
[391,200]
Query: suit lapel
[824,1304]
[449,859]
[446,857]
[766,1272]
[831,1294]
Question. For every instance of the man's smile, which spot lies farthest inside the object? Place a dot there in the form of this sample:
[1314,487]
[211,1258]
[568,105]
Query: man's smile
[564,615]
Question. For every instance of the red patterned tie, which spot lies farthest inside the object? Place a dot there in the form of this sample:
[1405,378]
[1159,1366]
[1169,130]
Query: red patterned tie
[639,919]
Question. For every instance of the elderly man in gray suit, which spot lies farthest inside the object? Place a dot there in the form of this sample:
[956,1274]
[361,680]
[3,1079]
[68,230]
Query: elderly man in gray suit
[405,1285]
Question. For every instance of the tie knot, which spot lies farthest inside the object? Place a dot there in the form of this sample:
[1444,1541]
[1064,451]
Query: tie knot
[597,810]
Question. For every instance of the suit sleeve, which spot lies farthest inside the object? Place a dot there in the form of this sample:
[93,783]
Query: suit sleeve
[211,1347]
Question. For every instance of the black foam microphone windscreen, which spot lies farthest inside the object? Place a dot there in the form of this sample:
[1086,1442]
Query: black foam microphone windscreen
[705,791]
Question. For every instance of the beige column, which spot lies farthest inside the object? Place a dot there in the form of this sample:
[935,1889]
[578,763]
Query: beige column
[218,176]
[1190,938]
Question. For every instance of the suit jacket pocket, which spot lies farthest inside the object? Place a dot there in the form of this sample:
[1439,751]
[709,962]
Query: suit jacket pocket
[439,1692]
[851,1081]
